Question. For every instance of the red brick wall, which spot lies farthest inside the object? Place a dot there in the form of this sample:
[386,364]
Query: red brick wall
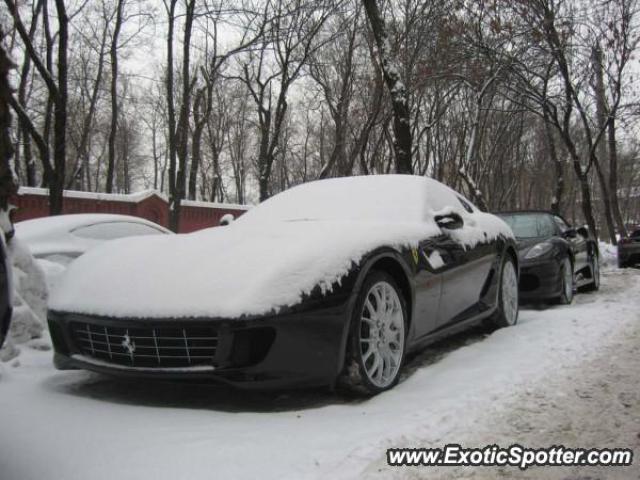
[153,208]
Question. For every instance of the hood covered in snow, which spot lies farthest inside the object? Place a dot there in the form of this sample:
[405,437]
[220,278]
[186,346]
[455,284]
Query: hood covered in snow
[222,272]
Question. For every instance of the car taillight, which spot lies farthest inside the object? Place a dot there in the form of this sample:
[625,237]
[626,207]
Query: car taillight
[622,241]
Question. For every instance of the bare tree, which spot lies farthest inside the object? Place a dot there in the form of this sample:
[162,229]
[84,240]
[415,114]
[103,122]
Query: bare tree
[7,181]
[403,143]
[57,88]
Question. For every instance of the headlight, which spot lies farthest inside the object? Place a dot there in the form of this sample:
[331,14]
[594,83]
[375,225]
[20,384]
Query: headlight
[539,250]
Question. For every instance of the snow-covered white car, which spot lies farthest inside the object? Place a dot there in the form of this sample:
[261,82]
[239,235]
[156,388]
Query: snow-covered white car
[57,241]
[334,280]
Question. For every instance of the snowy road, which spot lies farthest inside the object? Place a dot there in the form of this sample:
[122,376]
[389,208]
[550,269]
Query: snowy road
[560,366]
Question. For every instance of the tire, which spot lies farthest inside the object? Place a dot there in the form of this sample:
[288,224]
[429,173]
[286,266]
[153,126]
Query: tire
[506,314]
[377,341]
[567,282]
[594,267]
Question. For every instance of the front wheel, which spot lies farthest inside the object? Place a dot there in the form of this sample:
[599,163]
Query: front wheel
[506,313]
[566,278]
[376,346]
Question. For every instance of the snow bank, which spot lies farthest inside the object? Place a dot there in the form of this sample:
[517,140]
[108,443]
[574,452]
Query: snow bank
[608,255]
[29,299]
[276,253]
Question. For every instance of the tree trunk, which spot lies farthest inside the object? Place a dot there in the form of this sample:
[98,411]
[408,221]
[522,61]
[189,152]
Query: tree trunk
[402,143]
[556,201]
[113,55]
[30,168]
[7,182]
[601,115]
[60,115]
[183,123]
[613,177]
[171,114]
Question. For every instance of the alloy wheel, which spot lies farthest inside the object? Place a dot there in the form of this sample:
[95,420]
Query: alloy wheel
[567,282]
[509,288]
[382,335]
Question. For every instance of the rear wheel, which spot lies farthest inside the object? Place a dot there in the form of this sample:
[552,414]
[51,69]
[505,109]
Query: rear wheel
[566,276]
[506,313]
[594,267]
[376,345]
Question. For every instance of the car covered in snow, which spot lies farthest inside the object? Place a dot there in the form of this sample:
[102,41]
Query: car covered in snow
[63,238]
[58,240]
[555,258]
[629,249]
[330,282]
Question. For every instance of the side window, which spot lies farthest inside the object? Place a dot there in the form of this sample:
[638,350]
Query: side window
[466,205]
[113,230]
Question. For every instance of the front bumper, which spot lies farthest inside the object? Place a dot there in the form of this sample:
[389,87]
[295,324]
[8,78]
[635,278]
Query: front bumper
[280,351]
[540,279]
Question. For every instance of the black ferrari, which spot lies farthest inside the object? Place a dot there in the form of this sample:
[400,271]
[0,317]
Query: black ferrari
[555,258]
[331,282]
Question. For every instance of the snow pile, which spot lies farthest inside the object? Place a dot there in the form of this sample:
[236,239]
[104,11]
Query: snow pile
[29,299]
[608,255]
[222,272]
[276,253]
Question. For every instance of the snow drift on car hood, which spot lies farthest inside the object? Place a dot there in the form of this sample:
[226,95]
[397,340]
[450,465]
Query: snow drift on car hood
[229,271]
[221,272]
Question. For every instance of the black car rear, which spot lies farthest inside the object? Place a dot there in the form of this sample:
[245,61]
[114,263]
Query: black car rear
[629,250]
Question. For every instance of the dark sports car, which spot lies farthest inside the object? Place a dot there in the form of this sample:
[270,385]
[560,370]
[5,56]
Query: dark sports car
[329,282]
[554,258]
[629,250]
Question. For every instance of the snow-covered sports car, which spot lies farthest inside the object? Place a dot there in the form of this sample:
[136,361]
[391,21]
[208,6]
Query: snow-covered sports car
[331,281]
[57,241]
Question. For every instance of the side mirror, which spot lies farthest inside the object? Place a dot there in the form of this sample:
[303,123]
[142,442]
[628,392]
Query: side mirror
[226,219]
[570,233]
[583,231]
[450,221]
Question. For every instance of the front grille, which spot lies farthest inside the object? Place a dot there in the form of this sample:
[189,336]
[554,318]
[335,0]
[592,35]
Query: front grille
[149,347]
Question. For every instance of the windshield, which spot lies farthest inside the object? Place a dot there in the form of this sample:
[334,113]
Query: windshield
[530,225]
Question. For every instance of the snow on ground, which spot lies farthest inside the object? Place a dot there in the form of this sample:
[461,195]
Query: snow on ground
[608,255]
[76,425]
